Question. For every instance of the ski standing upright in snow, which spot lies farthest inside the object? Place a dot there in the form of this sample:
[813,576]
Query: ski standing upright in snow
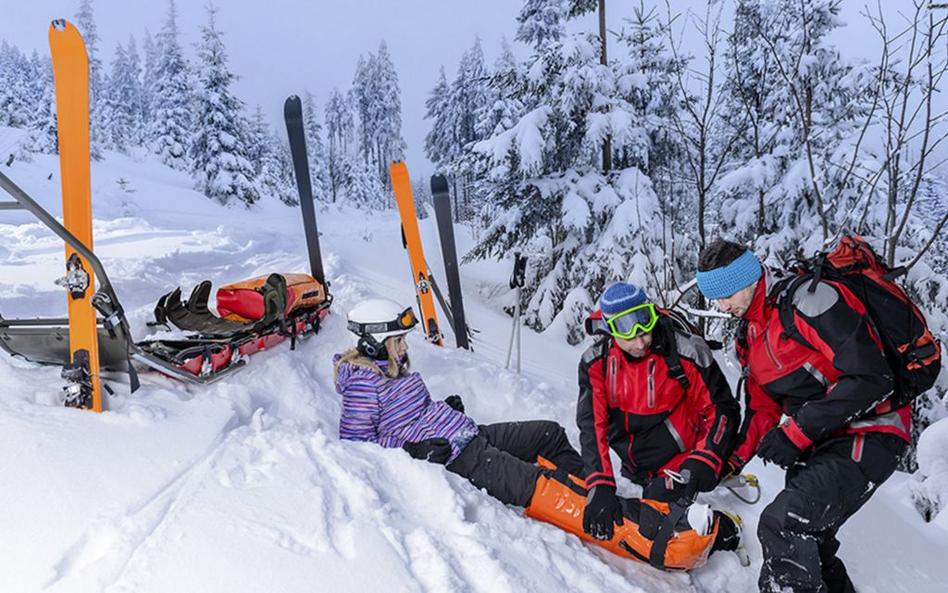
[421,277]
[293,115]
[442,207]
[71,76]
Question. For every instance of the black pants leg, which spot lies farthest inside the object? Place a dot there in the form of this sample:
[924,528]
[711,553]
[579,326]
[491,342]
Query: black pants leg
[798,529]
[536,438]
[502,458]
[833,569]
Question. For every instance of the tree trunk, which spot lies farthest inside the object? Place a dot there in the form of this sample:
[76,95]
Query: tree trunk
[607,144]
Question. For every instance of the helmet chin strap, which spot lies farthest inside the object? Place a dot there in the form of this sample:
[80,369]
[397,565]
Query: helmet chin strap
[370,347]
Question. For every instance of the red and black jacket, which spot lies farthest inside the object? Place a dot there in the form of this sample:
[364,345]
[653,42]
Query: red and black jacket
[830,377]
[652,416]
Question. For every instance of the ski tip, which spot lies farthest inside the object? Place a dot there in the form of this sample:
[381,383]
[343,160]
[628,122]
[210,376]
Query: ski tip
[439,184]
[398,168]
[58,24]
[292,105]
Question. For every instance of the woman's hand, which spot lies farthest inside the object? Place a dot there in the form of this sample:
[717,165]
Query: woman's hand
[434,450]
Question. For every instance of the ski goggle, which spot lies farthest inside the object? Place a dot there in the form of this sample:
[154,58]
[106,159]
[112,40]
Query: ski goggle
[405,321]
[627,324]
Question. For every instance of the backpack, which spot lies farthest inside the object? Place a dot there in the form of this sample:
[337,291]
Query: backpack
[911,350]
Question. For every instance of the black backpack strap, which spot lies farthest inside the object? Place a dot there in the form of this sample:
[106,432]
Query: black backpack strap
[782,298]
[669,351]
[604,347]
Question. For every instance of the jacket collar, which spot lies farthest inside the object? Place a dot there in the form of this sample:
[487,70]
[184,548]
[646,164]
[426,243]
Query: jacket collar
[758,310]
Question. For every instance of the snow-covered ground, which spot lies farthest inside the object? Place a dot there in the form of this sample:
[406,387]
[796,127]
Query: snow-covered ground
[245,486]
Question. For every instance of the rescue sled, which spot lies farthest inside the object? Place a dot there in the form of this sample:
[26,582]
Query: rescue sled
[257,314]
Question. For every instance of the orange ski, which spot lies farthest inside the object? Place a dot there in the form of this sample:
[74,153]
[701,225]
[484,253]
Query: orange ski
[419,269]
[71,75]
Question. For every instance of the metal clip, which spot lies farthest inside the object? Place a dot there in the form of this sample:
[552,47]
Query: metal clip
[76,280]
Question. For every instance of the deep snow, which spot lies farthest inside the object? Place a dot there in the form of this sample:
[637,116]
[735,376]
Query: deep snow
[245,486]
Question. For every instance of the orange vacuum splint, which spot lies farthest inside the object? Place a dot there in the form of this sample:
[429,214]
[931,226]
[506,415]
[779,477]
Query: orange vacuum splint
[656,533]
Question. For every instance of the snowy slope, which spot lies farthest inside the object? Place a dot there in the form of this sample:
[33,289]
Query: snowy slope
[244,485]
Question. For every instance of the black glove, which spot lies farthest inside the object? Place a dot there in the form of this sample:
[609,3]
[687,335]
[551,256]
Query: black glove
[455,402]
[700,477]
[733,467]
[435,450]
[776,447]
[602,511]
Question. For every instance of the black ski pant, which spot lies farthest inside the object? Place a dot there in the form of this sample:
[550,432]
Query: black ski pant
[502,458]
[827,486]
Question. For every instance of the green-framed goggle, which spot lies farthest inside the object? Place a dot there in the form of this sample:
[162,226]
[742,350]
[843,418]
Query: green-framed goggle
[627,324]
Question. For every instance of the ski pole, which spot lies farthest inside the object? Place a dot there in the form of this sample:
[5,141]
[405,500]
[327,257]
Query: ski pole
[516,283]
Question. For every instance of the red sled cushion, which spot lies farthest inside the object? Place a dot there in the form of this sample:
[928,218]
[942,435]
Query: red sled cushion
[244,301]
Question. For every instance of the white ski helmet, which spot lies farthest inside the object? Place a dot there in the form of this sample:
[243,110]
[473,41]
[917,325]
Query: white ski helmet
[374,320]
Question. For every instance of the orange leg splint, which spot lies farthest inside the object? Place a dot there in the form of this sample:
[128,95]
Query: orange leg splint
[652,532]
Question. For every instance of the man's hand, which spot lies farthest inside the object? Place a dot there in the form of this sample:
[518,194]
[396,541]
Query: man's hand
[733,467]
[701,477]
[602,511]
[776,447]
[435,450]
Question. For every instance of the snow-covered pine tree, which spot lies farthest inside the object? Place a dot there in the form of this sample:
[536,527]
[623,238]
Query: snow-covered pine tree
[581,226]
[339,131]
[467,99]
[85,23]
[750,93]
[812,115]
[148,79]
[639,222]
[43,129]
[6,83]
[363,188]
[282,166]
[502,111]
[386,114]
[16,80]
[362,98]
[170,106]
[136,94]
[120,104]
[376,97]
[315,148]
[439,141]
[218,153]
[541,23]
[258,139]
[265,153]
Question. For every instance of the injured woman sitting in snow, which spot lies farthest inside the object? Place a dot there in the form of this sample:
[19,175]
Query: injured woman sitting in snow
[527,464]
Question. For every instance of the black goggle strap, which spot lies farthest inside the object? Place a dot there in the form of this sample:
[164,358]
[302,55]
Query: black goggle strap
[405,320]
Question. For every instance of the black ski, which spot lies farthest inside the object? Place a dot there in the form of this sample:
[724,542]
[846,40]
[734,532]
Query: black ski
[293,114]
[442,206]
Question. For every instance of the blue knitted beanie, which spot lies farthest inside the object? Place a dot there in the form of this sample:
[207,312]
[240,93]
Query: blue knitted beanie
[720,283]
[619,297]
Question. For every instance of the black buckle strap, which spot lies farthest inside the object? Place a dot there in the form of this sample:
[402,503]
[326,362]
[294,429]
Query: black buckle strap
[660,545]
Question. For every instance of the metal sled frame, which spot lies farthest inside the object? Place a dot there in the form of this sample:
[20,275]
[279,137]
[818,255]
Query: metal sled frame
[46,341]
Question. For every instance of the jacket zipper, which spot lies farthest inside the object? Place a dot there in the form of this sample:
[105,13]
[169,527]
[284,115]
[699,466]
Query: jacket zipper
[651,383]
[770,353]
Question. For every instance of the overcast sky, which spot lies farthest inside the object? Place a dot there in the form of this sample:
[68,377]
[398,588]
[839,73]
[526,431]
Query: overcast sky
[280,47]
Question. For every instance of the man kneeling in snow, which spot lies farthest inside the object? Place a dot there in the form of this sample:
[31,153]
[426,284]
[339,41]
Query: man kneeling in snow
[527,464]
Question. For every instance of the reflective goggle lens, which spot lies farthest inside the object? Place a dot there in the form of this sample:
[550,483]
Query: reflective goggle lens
[407,319]
[631,322]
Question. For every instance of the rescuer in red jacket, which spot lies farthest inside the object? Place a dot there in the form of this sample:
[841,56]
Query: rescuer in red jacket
[654,394]
[840,439]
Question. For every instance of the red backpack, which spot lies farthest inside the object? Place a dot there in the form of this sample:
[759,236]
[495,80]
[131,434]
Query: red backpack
[912,352]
